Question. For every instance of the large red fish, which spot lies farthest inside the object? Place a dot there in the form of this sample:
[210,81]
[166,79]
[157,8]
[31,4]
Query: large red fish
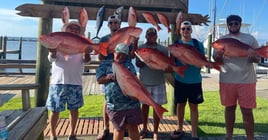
[132,16]
[189,55]
[179,20]
[124,35]
[155,59]
[234,47]
[164,20]
[131,86]
[69,43]
[149,17]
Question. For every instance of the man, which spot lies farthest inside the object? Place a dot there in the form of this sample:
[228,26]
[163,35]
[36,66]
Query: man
[66,83]
[123,111]
[114,25]
[189,87]
[238,83]
[154,81]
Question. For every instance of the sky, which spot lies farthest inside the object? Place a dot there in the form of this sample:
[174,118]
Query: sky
[252,12]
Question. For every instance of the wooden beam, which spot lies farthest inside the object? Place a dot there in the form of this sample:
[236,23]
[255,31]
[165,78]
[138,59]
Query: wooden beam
[55,11]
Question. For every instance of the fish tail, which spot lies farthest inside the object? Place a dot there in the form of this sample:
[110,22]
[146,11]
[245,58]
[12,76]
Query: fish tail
[103,48]
[180,70]
[263,51]
[159,110]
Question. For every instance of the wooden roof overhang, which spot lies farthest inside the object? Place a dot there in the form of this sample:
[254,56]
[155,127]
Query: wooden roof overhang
[53,9]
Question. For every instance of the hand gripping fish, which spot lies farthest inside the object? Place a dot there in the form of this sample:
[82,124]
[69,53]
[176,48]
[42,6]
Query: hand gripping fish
[131,86]
[233,47]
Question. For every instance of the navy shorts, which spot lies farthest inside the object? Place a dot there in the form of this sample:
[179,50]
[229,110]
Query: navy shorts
[123,117]
[191,92]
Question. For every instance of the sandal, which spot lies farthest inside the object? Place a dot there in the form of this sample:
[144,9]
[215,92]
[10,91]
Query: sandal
[103,134]
[176,134]
[144,134]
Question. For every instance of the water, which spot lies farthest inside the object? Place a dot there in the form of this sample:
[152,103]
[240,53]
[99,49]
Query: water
[28,51]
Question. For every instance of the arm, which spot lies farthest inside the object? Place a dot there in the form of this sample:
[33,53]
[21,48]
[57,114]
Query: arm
[52,55]
[106,79]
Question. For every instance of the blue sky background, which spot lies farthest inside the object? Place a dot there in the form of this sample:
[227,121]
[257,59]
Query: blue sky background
[253,12]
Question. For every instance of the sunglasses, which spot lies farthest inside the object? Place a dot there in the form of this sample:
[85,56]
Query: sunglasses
[113,22]
[188,29]
[233,23]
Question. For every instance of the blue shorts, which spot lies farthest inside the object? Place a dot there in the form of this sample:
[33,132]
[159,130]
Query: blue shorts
[61,94]
[123,117]
[158,93]
[191,92]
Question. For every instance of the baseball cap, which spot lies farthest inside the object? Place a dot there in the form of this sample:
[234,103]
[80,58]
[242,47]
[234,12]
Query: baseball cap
[233,18]
[113,17]
[122,48]
[186,24]
[151,30]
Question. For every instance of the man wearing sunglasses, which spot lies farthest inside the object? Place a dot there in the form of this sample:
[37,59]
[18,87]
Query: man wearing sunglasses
[238,83]
[189,87]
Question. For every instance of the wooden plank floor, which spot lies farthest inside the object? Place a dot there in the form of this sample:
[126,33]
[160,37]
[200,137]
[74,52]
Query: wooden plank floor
[93,125]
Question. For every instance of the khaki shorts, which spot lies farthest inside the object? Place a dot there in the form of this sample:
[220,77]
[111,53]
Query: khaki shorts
[243,94]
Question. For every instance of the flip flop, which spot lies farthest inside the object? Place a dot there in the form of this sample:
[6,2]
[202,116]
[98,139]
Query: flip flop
[103,134]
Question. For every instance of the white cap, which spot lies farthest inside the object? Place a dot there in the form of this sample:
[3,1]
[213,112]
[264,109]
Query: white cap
[122,48]
[186,24]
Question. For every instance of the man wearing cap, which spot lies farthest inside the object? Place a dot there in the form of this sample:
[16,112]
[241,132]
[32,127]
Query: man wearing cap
[238,82]
[154,81]
[189,87]
[123,111]
[114,25]
[66,83]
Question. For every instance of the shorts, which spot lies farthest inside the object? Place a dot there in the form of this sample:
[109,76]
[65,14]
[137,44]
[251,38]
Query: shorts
[123,117]
[191,92]
[158,93]
[61,94]
[243,94]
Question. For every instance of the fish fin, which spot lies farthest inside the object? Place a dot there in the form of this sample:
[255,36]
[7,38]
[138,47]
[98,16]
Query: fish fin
[180,70]
[169,30]
[103,48]
[65,15]
[217,66]
[159,110]
[262,51]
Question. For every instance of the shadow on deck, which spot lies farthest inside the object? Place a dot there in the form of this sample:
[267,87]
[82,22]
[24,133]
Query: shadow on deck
[88,128]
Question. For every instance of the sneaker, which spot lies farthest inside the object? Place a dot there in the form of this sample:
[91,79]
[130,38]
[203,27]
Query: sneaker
[176,134]
[72,138]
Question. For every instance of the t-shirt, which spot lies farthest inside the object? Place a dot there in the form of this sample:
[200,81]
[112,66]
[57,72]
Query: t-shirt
[115,99]
[192,74]
[67,70]
[152,77]
[239,69]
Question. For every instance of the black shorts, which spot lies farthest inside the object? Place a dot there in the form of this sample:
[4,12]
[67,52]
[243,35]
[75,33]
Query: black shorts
[191,92]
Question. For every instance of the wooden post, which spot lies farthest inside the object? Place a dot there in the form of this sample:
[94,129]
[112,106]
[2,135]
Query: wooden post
[209,50]
[42,64]
[20,47]
[4,47]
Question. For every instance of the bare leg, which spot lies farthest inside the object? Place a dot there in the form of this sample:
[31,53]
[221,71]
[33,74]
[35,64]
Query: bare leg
[156,125]
[119,134]
[194,118]
[105,116]
[144,112]
[53,119]
[229,121]
[73,120]
[180,115]
[248,120]
[133,132]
